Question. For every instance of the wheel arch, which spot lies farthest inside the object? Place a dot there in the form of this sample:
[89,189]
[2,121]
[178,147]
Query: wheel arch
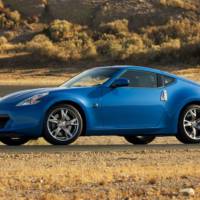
[77,106]
[188,104]
[184,107]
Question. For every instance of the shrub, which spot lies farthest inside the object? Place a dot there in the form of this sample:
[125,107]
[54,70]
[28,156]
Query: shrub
[109,46]
[79,48]
[184,30]
[173,43]
[120,47]
[173,51]
[1,4]
[41,45]
[15,16]
[90,50]
[190,52]
[9,35]
[3,40]
[60,30]
[115,27]
[74,40]
[169,51]
[170,42]
[8,19]
[64,51]
[132,44]
[179,4]
[114,49]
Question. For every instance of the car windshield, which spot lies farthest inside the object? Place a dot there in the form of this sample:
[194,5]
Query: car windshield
[91,78]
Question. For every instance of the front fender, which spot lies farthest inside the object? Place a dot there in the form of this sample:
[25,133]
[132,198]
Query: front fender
[84,102]
[56,99]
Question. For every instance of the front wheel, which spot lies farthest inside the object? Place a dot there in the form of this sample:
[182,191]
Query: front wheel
[140,139]
[189,125]
[63,125]
[14,141]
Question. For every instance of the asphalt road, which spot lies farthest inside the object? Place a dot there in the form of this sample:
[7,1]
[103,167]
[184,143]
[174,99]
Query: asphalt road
[94,148]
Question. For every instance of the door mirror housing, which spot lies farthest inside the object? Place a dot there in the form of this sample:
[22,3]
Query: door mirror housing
[120,82]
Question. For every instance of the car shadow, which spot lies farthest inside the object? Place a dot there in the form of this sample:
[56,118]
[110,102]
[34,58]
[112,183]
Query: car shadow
[94,148]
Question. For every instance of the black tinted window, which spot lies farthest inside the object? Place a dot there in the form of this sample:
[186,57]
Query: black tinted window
[165,80]
[141,78]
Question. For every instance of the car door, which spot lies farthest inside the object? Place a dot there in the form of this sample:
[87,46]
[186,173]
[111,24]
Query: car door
[139,106]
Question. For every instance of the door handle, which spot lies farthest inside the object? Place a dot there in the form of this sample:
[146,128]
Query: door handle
[164,95]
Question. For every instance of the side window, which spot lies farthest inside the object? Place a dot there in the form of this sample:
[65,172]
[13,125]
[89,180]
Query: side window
[139,78]
[165,80]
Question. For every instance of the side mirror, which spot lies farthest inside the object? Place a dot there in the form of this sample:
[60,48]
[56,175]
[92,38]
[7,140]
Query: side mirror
[121,82]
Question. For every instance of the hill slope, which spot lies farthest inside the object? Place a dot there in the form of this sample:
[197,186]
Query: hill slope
[93,12]
[99,31]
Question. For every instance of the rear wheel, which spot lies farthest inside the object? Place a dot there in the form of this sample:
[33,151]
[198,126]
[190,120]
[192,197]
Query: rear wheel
[63,125]
[189,125]
[140,139]
[14,141]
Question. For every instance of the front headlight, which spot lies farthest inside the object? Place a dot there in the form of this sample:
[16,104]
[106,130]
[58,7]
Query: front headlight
[33,100]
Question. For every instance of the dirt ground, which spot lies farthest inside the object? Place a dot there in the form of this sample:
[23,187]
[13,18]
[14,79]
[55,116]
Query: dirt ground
[103,175]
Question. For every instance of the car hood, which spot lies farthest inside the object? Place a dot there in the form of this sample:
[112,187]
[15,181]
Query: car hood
[16,97]
[23,94]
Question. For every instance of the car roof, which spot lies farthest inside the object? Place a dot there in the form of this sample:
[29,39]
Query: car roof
[154,71]
[141,68]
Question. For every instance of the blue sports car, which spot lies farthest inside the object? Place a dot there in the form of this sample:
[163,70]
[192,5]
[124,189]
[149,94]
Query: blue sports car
[137,103]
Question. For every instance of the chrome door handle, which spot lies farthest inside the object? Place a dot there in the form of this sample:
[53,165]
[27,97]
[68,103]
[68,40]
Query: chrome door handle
[164,95]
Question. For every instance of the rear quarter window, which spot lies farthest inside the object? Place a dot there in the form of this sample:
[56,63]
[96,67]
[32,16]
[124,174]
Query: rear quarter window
[164,80]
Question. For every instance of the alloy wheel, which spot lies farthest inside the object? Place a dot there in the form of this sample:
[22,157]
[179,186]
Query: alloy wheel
[191,123]
[63,124]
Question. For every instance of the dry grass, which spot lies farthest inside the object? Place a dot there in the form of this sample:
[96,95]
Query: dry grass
[65,42]
[107,175]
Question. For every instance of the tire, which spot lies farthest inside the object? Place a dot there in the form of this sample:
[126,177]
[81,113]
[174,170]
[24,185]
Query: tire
[63,125]
[140,139]
[189,125]
[14,141]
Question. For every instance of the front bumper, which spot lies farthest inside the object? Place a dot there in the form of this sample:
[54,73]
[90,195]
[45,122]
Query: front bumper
[21,121]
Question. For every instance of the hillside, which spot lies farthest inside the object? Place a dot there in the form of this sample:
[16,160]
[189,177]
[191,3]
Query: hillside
[62,32]
[140,13]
